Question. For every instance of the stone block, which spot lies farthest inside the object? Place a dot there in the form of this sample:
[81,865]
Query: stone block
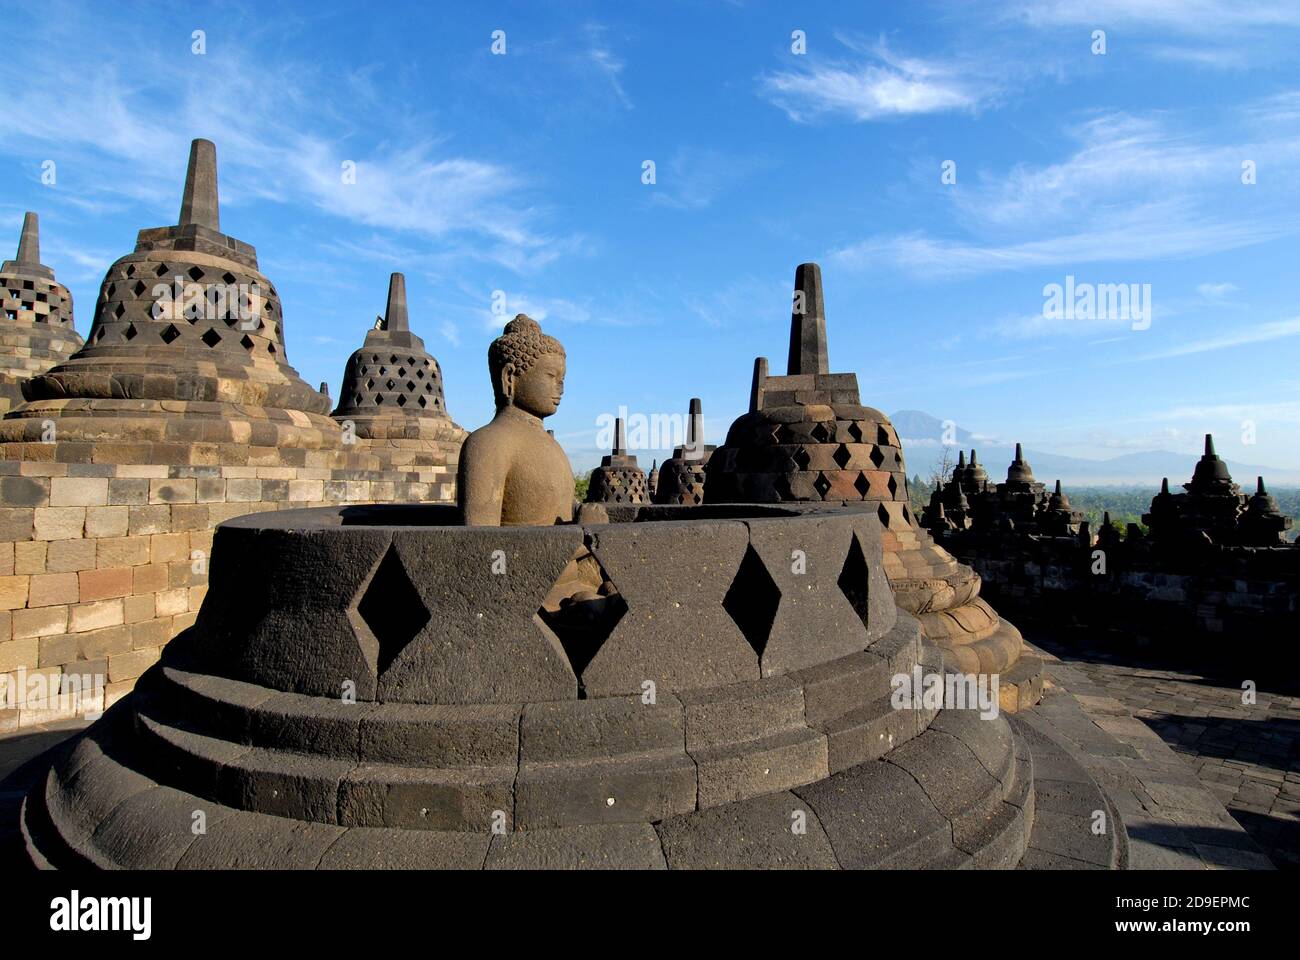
[169,547]
[105,584]
[48,589]
[128,491]
[93,616]
[29,557]
[56,650]
[774,832]
[16,524]
[70,556]
[128,666]
[150,519]
[180,490]
[107,521]
[149,578]
[170,603]
[139,608]
[621,846]
[40,622]
[59,523]
[78,491]
[121,551]
[24,492]
[13,592]
[18,653]
[102,643]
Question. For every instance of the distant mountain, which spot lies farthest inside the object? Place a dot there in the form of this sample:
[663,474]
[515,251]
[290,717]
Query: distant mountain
[923,435]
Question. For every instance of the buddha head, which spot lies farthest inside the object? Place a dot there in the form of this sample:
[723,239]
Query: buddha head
[527,368]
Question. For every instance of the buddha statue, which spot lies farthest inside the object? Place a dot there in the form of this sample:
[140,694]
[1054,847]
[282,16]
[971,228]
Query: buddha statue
[512,472]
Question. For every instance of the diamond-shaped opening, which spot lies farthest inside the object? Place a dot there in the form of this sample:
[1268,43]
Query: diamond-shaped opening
[392,610]
[419,374]
[893,486]
[118,311]
[195,274]
[882,436]
[379,398]
[211,338]
[877,456]
[821,434]
[162,270]
[392,359]
[391,384]
[130,332]
[270,348]
[862,485]
[752,600]
[842,456]
[246,342]
[370,384]
[821,485]
[170,334]
[883,514]
[228,277]
[854,580]
[130,271]
[582,610]
[401,371]
[801,458]
[410,384]
[401,400]
[421,401]
[855,431]
[139,288]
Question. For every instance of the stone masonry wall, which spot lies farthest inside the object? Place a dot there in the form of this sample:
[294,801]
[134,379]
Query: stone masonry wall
[102,564]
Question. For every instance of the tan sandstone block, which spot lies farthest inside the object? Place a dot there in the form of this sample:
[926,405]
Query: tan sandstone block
[149,578]
[18,653]
[172,602]
[13,592]
[150,519]
[107,521]
[114,692]
[243,490]
[105,584]
[169,547]
[137,609]
[305,491]
[29,557]
[78,491]
[93,616]
[105,642]
[59,523]
[6,559]
[128,666]
[40,622]
[49,589]
[121,551]
[69,556]
[56,650]
[151,633]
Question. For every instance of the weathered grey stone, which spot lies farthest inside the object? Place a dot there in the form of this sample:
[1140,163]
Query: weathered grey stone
[377,848]
[611,846]
[755,834]
[454,798]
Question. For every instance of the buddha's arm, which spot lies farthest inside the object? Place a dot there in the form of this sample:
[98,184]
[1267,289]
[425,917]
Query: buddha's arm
[481,482]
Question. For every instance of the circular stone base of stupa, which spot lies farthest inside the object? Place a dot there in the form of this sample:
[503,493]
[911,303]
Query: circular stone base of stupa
[374,687]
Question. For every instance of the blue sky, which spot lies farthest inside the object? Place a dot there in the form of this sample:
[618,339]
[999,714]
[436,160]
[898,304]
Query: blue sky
[522,173]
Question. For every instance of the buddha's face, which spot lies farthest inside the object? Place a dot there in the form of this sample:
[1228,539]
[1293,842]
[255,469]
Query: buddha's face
[540,388]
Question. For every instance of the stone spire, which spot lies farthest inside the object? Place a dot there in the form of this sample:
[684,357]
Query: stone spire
[618,479]
[1020,471]
[808,323]
[694,430]
[395,315]
[1264,524]
[681,477]
[1211,474]
[199,201]
[27,261]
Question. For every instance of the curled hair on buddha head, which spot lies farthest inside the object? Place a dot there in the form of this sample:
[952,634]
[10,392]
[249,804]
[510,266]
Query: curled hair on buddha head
[521,343]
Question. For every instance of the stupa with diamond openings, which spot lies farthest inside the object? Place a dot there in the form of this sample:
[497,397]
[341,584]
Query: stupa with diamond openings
[36,330]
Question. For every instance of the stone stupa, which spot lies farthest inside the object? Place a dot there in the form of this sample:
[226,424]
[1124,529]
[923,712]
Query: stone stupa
[618,479]
[36,330]
[392,393]
[807,437]
[682,476]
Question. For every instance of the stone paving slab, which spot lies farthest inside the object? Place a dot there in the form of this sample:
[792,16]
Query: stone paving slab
[1135,729]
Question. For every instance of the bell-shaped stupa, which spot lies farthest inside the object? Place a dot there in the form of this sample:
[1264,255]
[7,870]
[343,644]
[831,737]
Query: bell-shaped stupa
[36,329]
[187,346]
[618,479]
[681,478]
[807,437]
[392,393]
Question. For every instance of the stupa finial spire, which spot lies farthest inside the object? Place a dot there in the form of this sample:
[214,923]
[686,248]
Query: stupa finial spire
[620,438]
[1209,445]
[199,203]
[808,323]
[395,314]
[29,244]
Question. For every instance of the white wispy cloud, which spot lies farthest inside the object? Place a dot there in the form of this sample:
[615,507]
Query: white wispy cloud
[1134,188]
[1261,333]
[692,178]
[881,85]
[1181,16]
[1215,291]
[121,115]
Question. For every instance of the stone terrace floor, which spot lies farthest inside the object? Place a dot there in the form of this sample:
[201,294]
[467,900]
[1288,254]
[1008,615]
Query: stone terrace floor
[1246,755]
